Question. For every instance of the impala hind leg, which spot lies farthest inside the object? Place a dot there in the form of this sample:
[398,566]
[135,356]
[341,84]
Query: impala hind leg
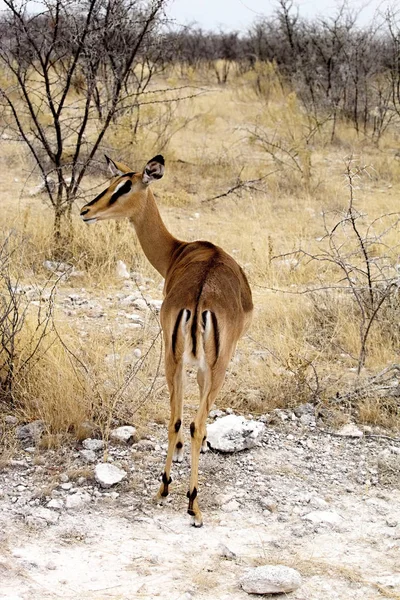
[210,382]
[174,375]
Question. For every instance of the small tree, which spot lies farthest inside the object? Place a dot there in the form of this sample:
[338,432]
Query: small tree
[68,71]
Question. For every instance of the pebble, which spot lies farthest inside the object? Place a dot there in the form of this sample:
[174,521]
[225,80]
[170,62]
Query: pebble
[48,515]
[77,500]
[140,304]
[123,434]
[92,444]
[88,456]
[108,475]
[323,516]
[31,431]
[350,430]
[121,270]
[55,504]
[271,579]
[225,552]
[10,420]
[231,506]
[233,434]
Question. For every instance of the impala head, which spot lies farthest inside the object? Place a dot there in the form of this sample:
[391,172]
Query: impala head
[126,193]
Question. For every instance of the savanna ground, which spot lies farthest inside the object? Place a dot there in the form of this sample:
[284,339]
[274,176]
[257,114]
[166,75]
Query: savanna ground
[312,340]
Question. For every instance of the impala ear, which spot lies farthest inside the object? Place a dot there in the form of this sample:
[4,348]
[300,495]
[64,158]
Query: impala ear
[117,168]
[154,169]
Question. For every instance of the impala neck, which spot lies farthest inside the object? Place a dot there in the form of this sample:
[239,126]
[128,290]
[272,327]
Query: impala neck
[157,242]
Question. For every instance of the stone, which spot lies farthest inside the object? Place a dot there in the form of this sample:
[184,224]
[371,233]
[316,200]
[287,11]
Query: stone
[225,552]
[77,500]
[121,270]
[231,506]
[214,414]
[304,409]
[55,504]
[323,516]
[30,431]
[350,430]
[91,444]
[269,504]
[35,522]
[66,486]
[64,478]
[47,515]
[156,304]
[137,353]
[124,434]
[233,434]
[108,475]
[140,304]
[390,581]
[307,419]
[88,456]
[271,579]
[10,420]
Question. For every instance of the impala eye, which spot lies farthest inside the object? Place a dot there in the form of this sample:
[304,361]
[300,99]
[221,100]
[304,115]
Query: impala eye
[121,189]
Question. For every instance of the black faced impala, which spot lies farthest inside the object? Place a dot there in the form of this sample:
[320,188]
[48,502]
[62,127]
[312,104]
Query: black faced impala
[207,306]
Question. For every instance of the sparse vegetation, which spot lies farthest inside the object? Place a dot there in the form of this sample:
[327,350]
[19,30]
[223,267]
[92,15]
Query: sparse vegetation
[258,165]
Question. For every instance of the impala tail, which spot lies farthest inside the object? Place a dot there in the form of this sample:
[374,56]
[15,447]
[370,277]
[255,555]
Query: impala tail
[196,337]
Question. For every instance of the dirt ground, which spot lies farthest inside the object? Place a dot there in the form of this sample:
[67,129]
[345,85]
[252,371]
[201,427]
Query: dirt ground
[116,543]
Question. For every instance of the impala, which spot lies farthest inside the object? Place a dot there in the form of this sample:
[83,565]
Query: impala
[207,306]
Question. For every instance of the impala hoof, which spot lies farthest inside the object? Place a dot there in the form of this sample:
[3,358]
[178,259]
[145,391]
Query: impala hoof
[197,521]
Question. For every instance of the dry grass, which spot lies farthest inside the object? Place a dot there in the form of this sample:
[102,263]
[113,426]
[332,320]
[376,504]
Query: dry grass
[301,346]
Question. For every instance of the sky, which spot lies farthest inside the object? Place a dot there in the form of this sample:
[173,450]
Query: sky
[239,14]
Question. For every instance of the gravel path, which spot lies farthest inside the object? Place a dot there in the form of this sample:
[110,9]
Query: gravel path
[328,506]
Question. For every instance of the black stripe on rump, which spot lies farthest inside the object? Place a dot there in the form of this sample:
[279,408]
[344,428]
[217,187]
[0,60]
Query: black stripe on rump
[124,189]
[176,327]
[193,333]
[216,333]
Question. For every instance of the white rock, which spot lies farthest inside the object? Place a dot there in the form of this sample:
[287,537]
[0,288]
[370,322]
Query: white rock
[134,318]
[121,270]
[231,506]
[10,420]
[77,500]
[156,304]
[108,475]
[88,456]
[123,434]
[137,353]
[48,515]
[350,430]
[140,304]
[324,516]
[130,299]
[91,444]
[67,485]
[233,433]
[31,431]
[55,504]
[271,579]
[390,581]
